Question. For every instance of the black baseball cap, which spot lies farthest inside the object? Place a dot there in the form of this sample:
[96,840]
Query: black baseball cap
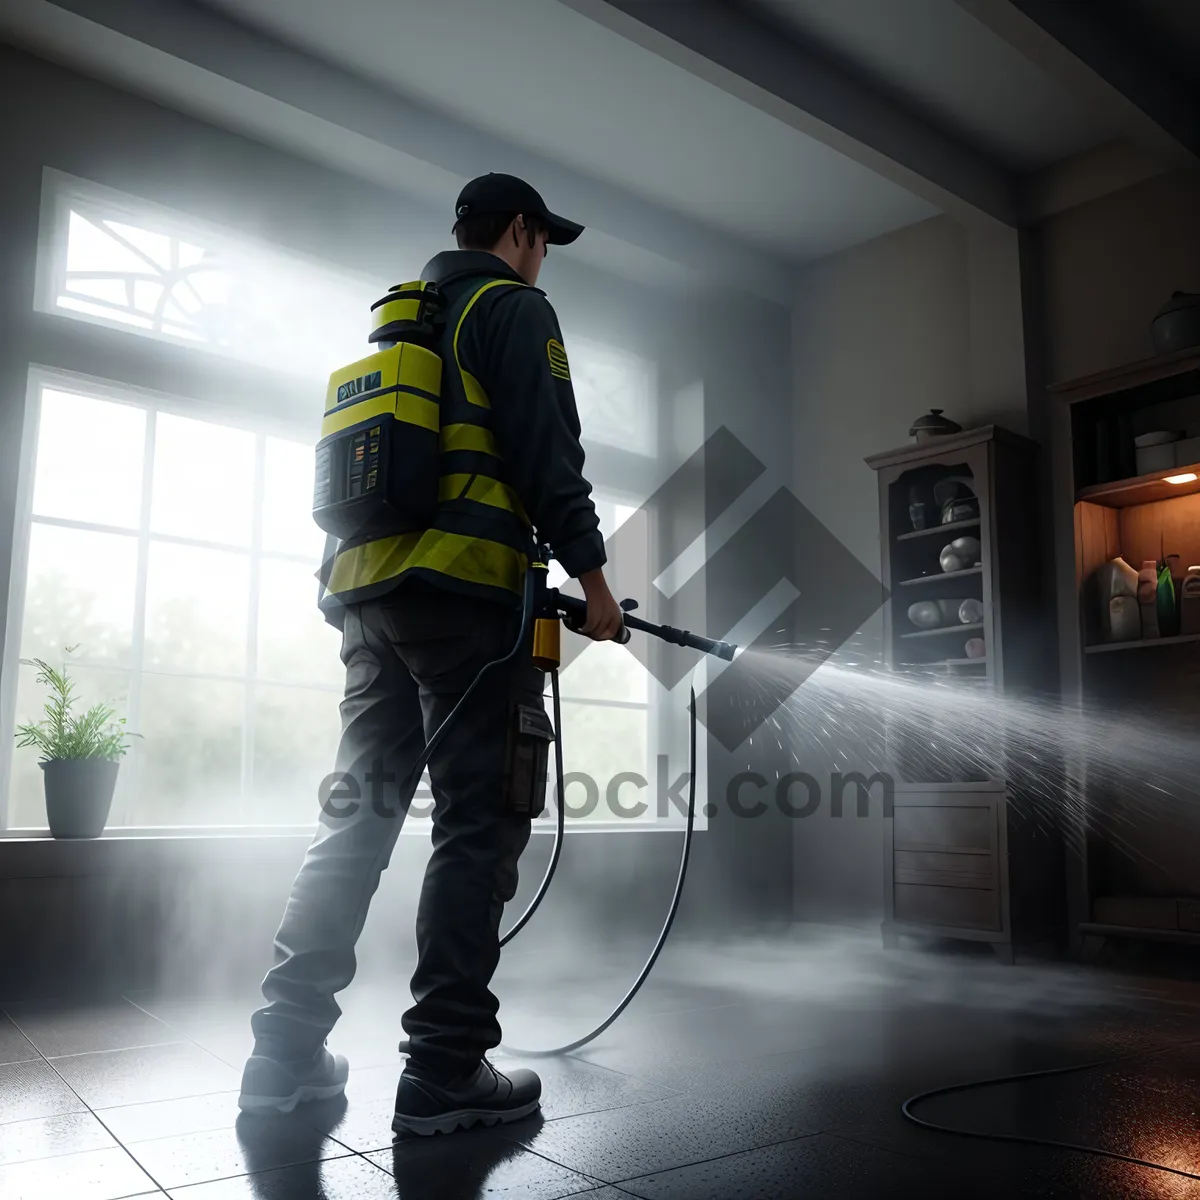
[493,195]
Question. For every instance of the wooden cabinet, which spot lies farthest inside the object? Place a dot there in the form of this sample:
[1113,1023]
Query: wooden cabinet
[970,852]
[963,861]
[1134,831]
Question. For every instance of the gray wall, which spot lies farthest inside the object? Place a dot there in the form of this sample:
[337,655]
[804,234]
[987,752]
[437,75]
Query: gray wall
[64,121]
[927,317]
[1109,266]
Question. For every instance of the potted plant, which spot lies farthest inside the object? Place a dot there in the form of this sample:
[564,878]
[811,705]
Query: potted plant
[80,756]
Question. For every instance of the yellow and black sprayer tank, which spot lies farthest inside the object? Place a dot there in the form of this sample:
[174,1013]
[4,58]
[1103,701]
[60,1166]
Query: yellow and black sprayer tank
[377,460]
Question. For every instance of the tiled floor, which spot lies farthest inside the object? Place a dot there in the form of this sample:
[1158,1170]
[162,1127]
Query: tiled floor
[740,1072]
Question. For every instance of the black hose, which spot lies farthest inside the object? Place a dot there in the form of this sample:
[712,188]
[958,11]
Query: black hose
[559,829]
[906,1109]
[523,920]
[666,929]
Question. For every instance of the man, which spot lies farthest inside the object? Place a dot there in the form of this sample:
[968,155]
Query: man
[418,624]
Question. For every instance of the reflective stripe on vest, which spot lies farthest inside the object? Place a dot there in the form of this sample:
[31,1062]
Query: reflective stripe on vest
[471,386]
[485,563]
[481,489]
[471,560]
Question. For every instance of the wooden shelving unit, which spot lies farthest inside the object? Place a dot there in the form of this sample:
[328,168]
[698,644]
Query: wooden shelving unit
[1144,884]
[960,861]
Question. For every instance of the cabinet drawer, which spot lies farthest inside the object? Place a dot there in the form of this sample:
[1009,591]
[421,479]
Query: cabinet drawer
[941,827]
[946,870]
[953,907]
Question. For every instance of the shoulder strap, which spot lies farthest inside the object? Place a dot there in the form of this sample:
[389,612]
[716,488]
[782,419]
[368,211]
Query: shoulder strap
[471,304]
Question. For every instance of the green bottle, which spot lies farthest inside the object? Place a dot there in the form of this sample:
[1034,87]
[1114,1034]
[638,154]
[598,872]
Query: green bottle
[1165,601]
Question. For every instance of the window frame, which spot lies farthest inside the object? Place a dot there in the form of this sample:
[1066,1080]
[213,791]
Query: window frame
[60,191]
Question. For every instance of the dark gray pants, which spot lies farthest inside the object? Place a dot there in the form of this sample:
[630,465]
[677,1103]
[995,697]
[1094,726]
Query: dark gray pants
[409,658]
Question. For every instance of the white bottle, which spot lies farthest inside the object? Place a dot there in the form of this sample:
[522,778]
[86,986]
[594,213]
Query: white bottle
[1120,617]
[1189,602]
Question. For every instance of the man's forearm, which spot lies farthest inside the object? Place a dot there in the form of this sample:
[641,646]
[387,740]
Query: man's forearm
[582,555]
[593,582]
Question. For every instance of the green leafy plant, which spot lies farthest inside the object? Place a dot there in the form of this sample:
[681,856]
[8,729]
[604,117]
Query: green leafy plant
[62,733]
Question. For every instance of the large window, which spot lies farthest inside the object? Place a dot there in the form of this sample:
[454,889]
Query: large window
[178,555]
[171,541]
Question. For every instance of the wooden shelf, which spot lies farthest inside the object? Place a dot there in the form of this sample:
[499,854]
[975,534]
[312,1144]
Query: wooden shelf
[1142,489]
[950,527]
[1109,647]
[942,575]
[916,668]
[924,633]
[1124,379]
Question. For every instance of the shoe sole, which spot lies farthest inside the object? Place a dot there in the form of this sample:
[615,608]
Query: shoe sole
[286,1104]
[464,1118]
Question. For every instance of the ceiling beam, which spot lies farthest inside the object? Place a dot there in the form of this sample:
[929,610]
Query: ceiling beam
[1073,44]
[202,62]
[733,50]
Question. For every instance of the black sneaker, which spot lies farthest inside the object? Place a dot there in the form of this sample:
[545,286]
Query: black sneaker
[271,1084]
[482,1097]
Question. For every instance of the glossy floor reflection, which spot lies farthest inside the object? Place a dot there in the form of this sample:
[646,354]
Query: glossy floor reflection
[770,1071]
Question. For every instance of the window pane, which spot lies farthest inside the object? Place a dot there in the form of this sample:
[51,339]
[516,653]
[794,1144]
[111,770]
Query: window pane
[197,603]
[605,671]
[80,591]
[603,743]
[89,460]
[614,392]
[288,525]
[295,643]
[203,480]
[213,291]
[295,742]
[27,799]
[189,759]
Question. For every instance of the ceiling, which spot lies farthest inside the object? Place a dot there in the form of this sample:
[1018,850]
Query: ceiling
[716,138]
[536,73]
[937,59]
[1167,30]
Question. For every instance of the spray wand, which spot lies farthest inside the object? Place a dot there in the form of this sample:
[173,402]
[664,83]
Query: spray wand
[573,611]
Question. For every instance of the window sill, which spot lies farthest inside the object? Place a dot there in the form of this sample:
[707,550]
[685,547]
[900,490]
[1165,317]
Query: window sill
[412,828]
[32,853]
[22,836]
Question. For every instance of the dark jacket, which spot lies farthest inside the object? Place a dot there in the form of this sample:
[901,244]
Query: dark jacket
[511,342]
